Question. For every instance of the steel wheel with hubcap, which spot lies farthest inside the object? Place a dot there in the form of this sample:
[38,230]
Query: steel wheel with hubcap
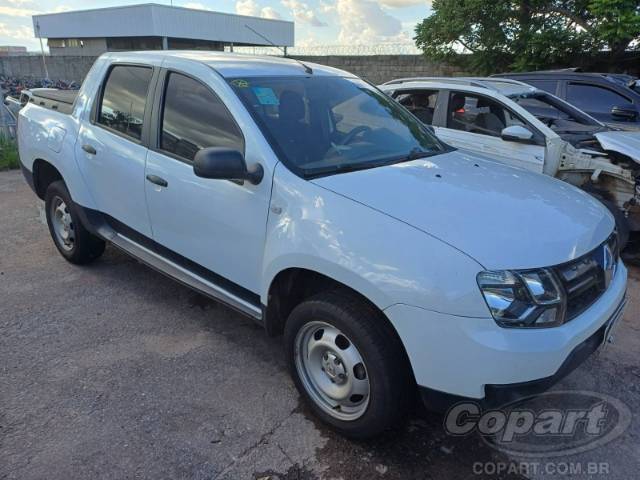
[332,370]
[62,224]
[348,363]
[74,242]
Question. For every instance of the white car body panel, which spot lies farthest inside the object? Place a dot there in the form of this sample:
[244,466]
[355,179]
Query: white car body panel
[547,222]
[627,143]
[529,157]
[326,232]
[408,240]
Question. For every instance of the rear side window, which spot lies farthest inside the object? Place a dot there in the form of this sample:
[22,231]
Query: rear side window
[194,118]
[594,99]
[422,103]
[124,99]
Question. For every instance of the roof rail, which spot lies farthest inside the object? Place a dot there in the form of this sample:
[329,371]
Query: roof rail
[481,82]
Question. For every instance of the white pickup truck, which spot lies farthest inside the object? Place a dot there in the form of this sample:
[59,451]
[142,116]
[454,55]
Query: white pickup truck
[308,200]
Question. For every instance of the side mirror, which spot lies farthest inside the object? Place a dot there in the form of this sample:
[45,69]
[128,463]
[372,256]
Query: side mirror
[516,133]
[625,112]
[224,164]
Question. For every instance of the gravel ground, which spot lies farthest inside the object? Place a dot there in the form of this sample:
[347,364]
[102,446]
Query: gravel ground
[114,371]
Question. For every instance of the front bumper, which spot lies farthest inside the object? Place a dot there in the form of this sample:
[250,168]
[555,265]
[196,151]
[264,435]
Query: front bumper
[474,358]
[498,395]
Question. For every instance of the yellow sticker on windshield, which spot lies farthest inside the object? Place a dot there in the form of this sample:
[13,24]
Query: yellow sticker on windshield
[238,82]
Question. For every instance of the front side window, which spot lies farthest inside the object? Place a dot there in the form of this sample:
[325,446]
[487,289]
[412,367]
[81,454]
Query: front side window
[194,118]
[323,125]
[124,99]
[592,98]
[474,113]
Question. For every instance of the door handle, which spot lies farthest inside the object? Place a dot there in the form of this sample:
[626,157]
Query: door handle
[89,149]
[157,180]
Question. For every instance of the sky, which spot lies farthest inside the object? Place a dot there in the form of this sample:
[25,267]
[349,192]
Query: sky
[317,22]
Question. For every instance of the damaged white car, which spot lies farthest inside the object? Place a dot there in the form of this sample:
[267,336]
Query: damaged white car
[522,126]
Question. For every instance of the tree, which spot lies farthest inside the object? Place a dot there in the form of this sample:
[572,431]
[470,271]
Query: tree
[501,35]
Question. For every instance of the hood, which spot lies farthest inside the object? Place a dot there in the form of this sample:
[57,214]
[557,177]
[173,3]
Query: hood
[501,216]
[627,143]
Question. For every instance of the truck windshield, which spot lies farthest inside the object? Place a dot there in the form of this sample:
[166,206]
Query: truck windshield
[323,125]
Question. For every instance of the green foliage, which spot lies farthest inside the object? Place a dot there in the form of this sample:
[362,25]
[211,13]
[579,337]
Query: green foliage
[8,154]
[504,35]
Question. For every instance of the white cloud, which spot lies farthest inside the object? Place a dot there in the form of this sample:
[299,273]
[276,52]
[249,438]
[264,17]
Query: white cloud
[302,13]
[364,22]
[269,12]
[21,32]
[195,5]
[308,41]
[247,7]
[402,3]
[17,12]
[252,9]
[62,8]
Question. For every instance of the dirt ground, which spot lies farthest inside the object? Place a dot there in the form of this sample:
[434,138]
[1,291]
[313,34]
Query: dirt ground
[114,371]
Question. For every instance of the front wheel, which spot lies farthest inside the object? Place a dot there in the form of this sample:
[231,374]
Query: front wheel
[348,363]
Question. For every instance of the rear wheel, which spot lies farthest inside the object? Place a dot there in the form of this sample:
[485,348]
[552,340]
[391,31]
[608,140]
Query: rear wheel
[74,242]
[348,363]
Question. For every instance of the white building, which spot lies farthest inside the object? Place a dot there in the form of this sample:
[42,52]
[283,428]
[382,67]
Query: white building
[155,27]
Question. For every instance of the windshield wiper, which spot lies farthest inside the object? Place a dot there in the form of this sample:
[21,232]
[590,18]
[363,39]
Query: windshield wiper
[417,153]
[414,154]
[344,168]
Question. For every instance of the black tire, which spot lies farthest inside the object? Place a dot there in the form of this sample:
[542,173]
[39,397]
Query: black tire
[85,246]
[392,386]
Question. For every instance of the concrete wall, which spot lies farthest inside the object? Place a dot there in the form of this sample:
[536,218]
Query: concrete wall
[382,68]
[376,69]
[60,68]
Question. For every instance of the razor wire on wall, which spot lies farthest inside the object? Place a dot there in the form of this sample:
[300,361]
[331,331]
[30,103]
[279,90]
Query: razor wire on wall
[324,50]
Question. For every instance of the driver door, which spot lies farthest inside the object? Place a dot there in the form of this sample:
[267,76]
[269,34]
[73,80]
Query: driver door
[475,122]
[218,224]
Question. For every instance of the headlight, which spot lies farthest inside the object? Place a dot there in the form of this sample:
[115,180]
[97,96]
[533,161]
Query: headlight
[523,298]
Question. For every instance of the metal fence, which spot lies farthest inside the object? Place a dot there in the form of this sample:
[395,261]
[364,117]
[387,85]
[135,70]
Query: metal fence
[342,50]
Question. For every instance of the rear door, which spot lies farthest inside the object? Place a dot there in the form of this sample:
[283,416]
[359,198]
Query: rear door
[110,147]
[475,122]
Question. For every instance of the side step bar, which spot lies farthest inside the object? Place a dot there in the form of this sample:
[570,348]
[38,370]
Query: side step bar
[183,275]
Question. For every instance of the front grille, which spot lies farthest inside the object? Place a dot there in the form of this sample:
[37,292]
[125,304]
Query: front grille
[587,277]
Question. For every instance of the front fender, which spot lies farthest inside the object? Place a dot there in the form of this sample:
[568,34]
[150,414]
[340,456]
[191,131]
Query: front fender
[387,261]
